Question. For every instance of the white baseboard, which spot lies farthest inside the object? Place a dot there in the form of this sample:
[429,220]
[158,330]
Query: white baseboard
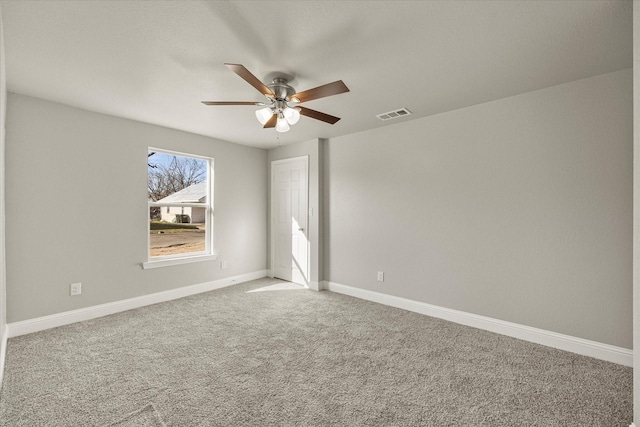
[47,322]
[3,349]
[315,286]
[581,346]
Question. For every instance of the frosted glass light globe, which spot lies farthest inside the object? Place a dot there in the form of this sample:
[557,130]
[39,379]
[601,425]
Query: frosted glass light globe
[264,114]
[292,115]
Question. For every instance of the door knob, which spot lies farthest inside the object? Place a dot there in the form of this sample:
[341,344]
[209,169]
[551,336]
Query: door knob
[300,229]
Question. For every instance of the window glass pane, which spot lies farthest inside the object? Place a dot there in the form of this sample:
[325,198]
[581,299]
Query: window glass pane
[176,179]
[181,231]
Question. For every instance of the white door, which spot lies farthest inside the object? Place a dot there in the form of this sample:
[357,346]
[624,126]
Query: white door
[289,201]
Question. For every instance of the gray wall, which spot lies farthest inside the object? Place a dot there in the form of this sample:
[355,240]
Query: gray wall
[636,214]
[518,209]
[3,109]
[312,149]
[76,208]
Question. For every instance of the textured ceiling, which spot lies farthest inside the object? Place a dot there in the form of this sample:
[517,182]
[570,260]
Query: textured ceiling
[155,61]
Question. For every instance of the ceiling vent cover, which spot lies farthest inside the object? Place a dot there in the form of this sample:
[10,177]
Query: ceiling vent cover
[394,114]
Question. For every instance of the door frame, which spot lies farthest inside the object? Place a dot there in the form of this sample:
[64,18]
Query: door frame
[272,210]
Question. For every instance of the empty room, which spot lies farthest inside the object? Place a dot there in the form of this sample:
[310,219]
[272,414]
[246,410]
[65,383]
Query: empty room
[297,213]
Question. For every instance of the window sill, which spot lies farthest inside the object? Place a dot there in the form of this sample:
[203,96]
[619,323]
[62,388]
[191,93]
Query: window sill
[177,261]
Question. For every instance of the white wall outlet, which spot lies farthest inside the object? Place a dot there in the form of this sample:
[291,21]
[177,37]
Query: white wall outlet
[380,276]
[75,288]
[223,265]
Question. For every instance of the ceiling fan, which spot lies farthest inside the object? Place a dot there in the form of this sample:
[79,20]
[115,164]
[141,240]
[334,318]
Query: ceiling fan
[281,108]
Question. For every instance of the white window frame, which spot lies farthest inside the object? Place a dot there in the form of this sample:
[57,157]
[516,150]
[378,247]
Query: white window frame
[208,254]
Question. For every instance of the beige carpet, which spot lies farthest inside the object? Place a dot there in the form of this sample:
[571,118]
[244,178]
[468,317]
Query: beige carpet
[264,353]
[145,417]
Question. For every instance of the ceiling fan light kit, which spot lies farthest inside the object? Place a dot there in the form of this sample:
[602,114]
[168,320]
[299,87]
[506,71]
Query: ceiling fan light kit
[276,112]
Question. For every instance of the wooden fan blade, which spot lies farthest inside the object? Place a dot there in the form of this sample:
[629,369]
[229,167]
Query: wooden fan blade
[272,122]
[321,91]
[250,78]
[318,115]
[230,103]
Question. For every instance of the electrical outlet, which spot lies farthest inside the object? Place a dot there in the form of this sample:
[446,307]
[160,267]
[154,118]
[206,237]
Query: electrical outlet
[75,288]
[380,276]
[223,265]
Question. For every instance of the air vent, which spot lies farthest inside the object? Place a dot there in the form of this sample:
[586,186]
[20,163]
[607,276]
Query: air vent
[394,114]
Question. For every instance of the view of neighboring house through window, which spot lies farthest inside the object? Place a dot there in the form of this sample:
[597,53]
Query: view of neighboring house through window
[180,204]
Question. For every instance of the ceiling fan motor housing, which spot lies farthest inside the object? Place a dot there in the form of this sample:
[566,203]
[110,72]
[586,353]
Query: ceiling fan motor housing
[281,89]
[282,92]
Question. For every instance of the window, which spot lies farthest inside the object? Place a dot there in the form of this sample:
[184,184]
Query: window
[180,208]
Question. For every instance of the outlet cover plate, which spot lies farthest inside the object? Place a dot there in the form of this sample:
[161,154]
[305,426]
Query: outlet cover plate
[75,288]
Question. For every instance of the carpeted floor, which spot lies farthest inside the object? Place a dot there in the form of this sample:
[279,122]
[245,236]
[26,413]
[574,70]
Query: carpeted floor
[263,353]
